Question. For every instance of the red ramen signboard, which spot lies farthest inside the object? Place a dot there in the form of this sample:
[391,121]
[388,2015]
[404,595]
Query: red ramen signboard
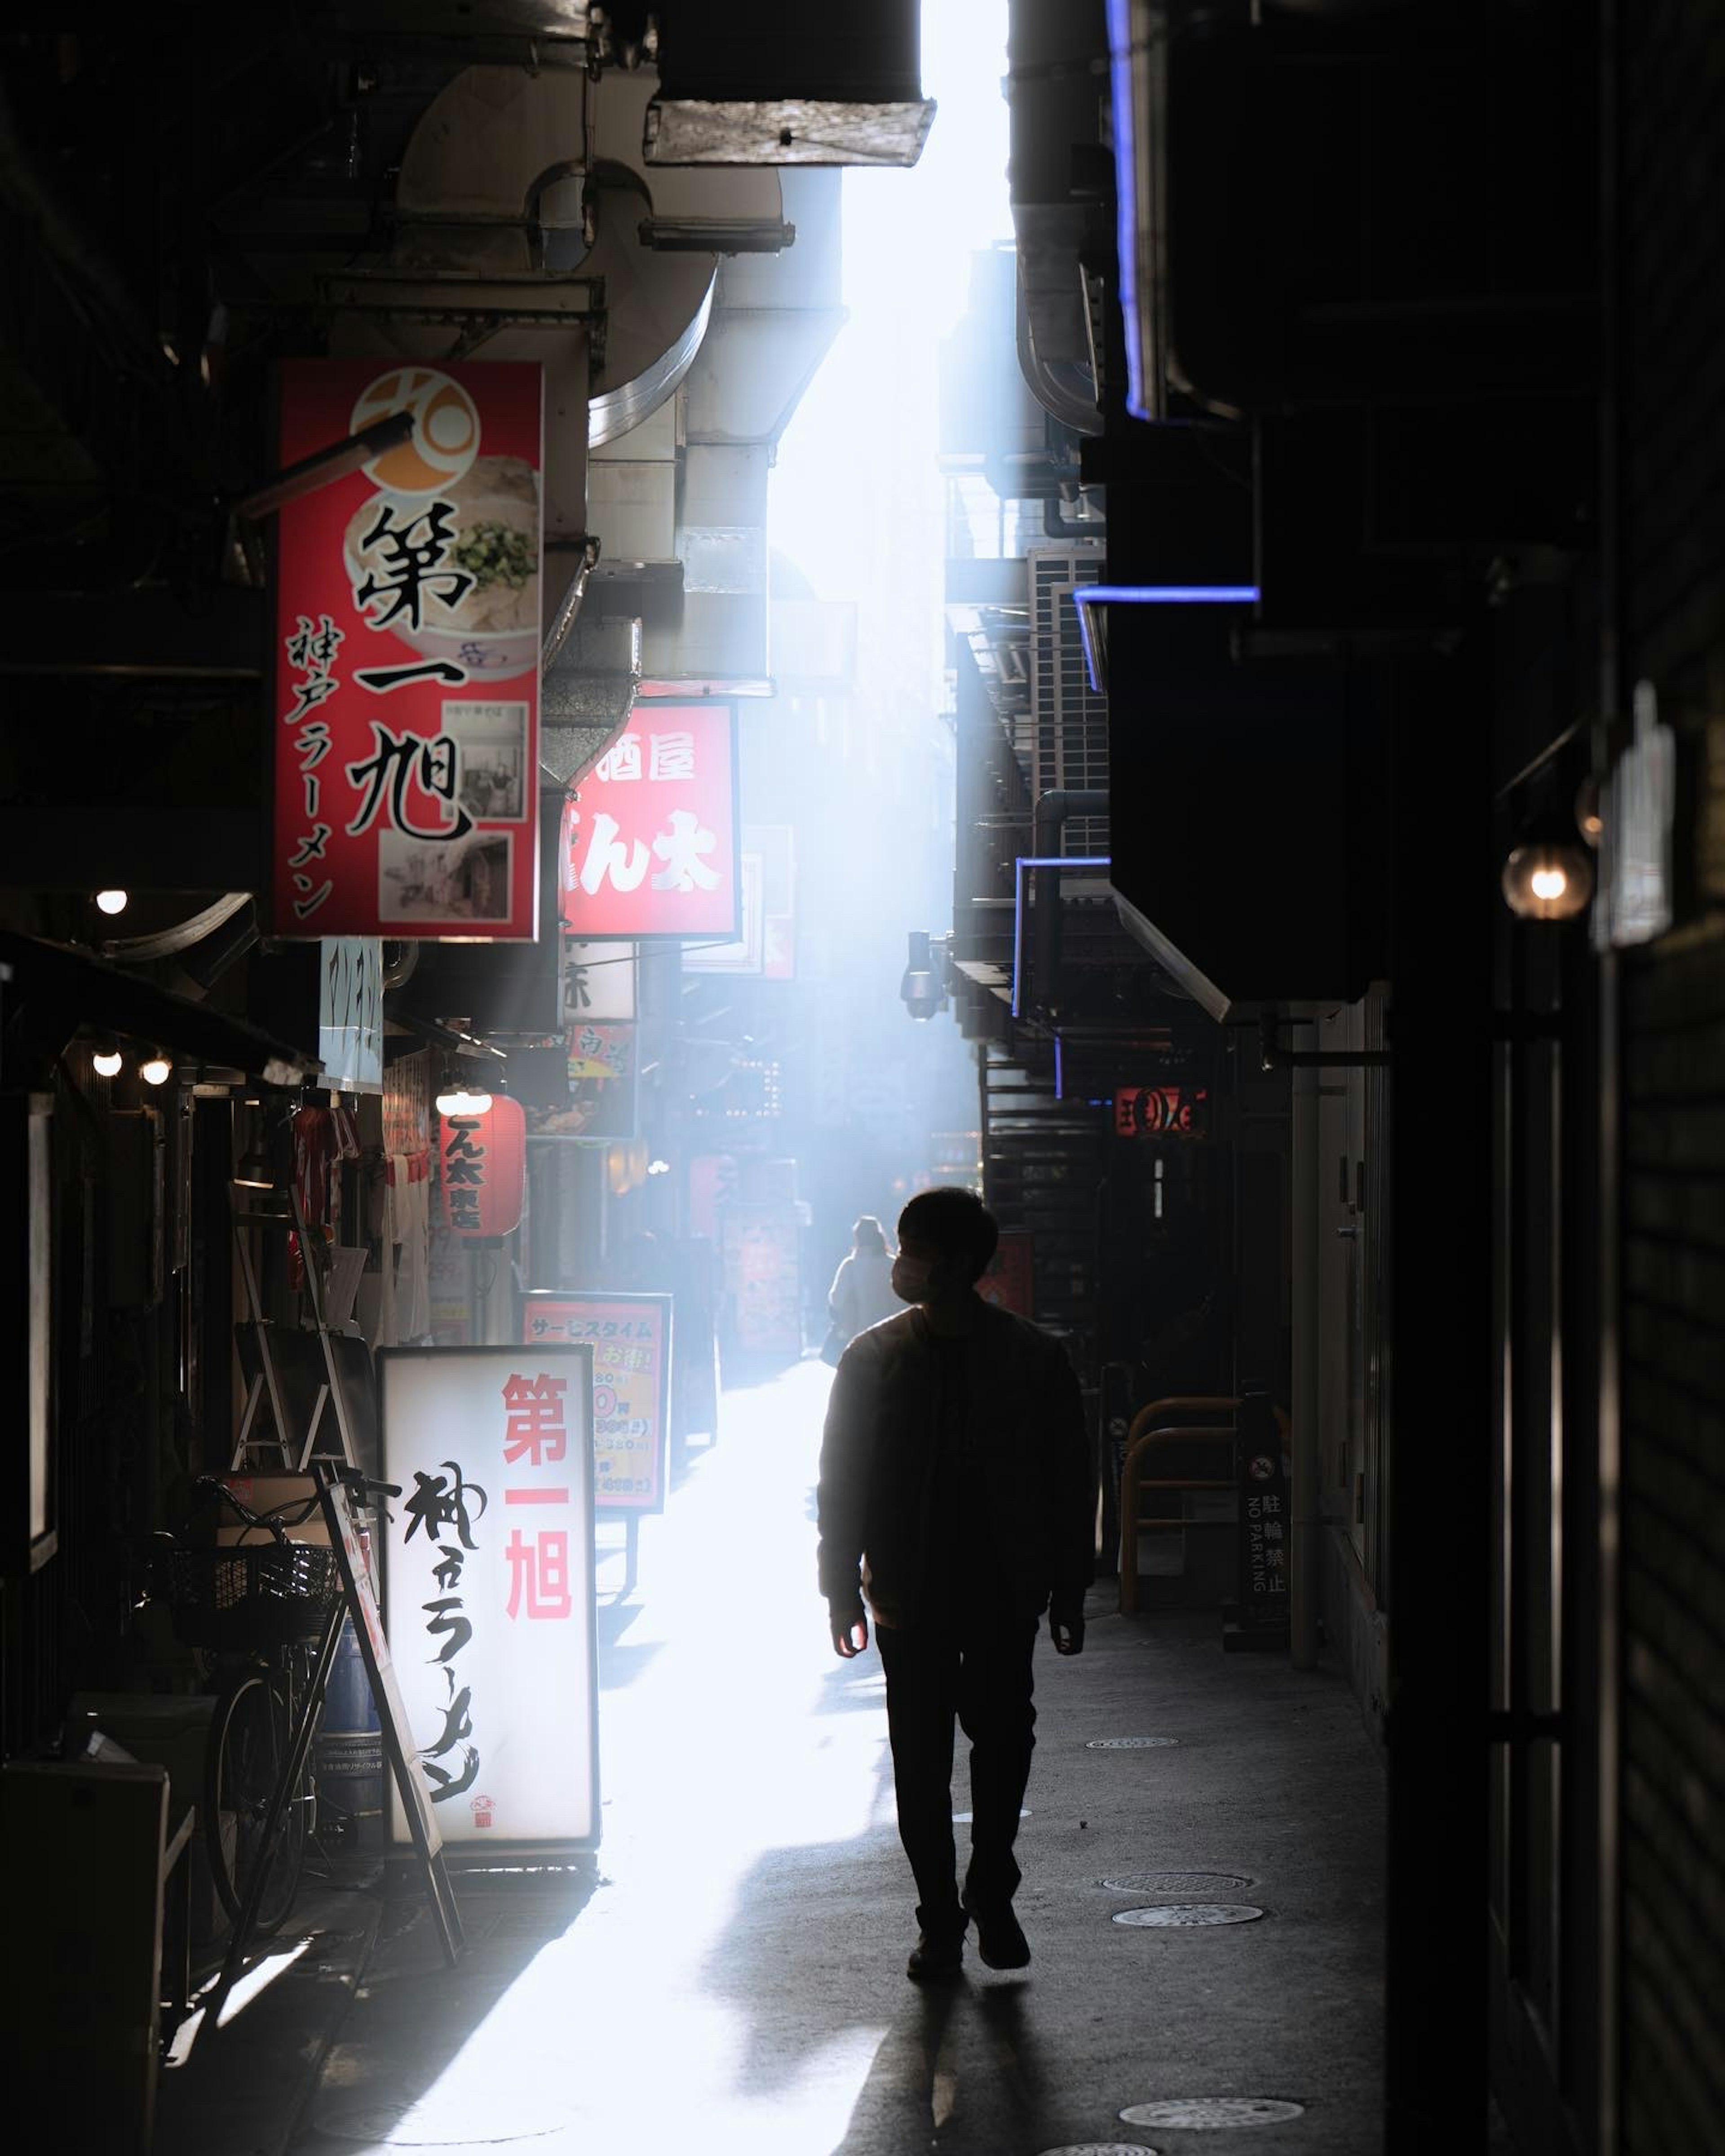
[650,837]
[406,679]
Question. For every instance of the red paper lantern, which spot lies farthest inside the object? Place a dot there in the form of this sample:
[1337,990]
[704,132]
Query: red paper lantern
[482,1164]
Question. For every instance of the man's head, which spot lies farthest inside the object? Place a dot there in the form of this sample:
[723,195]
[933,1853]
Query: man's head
[946,1238]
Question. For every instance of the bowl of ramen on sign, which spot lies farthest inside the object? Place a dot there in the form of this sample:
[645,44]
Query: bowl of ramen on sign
[459,581]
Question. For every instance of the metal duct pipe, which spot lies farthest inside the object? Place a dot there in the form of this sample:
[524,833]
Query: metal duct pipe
[1057,525]
[169,942]
[402,966]
[1048,820]
[1058,397]
[563,620]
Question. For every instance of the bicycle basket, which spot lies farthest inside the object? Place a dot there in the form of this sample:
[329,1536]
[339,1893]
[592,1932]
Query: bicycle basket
[241,1597]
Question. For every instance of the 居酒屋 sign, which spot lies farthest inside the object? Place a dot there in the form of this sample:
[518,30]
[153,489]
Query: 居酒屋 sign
[650,837]
[405,720]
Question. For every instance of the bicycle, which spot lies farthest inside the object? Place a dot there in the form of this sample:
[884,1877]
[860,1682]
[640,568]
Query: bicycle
[260,1610]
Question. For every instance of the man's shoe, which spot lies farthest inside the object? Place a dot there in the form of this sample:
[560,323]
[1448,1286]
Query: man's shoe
[999,1938]
[937,1957]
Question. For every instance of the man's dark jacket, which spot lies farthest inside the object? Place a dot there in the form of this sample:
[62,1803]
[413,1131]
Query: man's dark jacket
[1035,1495]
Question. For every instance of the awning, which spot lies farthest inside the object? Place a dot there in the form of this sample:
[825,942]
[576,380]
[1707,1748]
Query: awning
[60,989]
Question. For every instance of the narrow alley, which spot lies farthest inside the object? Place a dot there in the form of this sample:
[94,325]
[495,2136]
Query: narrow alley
[732,1974]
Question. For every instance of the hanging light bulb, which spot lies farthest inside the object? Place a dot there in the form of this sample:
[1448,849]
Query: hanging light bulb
[1549,877]
[453,1098]
[156,1069]
[111,901]
[105,1058]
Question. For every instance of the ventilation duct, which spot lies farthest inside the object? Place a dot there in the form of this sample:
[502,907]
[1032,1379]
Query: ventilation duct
[527,227]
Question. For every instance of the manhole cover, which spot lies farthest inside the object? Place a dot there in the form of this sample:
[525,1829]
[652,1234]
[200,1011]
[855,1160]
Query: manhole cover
[1176,1886]
[1101,2148]
[1199,2114]
[444,2122]
[1177,1916]
[1130,1744]
[964,1818]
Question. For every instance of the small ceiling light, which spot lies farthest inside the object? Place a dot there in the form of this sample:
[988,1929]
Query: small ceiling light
[658,1168]
[1589,819]
[1549,877]
[111,901]
[106,1058]
[156,1070]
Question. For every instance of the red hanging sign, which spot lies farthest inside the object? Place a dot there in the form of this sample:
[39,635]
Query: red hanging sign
[406,679]
[482,1164]
[1161,1112]
[651,836]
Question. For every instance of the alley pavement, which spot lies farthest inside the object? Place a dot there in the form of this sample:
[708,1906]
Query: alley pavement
[728,1976]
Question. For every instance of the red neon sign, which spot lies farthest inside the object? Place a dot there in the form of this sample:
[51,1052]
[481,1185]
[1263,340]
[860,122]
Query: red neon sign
[1161,1112]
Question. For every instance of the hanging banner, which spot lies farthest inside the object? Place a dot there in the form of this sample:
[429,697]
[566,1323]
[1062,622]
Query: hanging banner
[650,835]
[350,1013]
[764,1287]
[490,1578]
[406,677]
[630,1335]
[482,1166]
[599,981]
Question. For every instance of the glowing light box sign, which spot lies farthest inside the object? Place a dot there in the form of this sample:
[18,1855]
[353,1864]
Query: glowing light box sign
[651,836]
[630,1335]
[405,705]
[1161,1112]
[488,1590]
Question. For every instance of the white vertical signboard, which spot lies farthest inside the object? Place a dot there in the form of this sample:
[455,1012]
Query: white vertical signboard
[488,1592]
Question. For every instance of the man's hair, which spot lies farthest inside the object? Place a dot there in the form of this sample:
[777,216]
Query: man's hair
[955,1221]
[868,1235]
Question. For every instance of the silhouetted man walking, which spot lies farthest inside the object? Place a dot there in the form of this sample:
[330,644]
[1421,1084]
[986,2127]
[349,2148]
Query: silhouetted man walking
[956,1492]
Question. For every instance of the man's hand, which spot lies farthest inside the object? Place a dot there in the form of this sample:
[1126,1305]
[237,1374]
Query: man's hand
[1066,1624]
[850,1627]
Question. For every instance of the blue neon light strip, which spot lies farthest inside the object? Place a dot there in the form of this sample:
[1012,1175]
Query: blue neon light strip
[1147,595]
[1060,1087]
[1125,182]
[1166,595]
[1040,861]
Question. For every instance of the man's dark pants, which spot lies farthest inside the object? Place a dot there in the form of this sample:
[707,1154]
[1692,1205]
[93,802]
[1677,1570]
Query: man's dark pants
[972,1663]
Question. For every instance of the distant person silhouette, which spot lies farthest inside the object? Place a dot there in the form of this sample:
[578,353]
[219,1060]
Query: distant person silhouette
[958,1494]
[862,1293]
